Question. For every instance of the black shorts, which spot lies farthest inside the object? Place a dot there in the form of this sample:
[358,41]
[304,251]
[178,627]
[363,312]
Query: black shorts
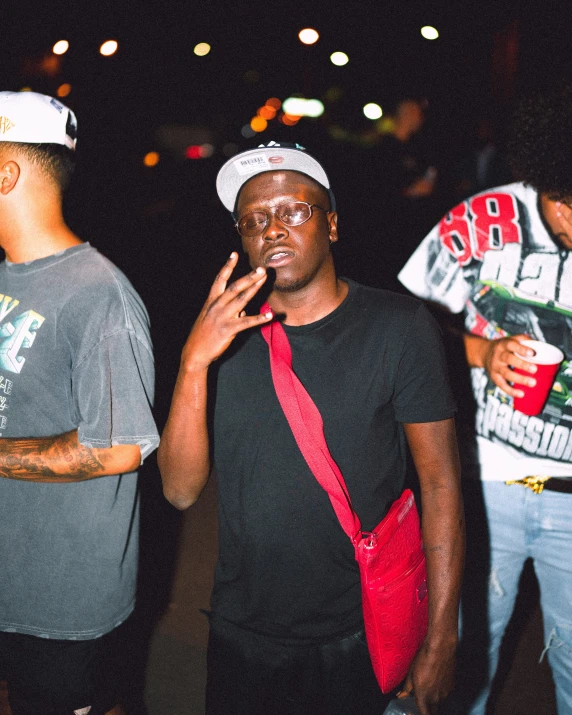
[62,677]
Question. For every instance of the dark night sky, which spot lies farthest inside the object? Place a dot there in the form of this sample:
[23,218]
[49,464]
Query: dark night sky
[164,226]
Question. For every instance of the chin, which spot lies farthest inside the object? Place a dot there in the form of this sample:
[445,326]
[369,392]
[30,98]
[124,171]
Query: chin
[289,286]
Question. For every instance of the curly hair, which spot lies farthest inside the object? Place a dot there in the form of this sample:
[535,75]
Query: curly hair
[540,145]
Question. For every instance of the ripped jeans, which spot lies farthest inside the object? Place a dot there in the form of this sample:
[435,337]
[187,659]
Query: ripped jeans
[521,524]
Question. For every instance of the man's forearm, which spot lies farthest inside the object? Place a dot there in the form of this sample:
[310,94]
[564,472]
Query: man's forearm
[183,454]
[444,539]
[63,459]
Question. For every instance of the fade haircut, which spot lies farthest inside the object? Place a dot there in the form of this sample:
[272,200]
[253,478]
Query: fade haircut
[540,149]
[56,161]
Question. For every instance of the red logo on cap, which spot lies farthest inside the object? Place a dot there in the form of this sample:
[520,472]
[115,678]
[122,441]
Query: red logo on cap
[275,159]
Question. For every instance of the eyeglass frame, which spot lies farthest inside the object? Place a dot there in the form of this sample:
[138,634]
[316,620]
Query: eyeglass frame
[274,212]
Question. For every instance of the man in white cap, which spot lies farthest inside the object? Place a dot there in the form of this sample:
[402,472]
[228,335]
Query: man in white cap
[286,623]
[76,385]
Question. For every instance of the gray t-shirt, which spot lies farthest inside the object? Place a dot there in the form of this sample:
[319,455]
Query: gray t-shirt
[75,352]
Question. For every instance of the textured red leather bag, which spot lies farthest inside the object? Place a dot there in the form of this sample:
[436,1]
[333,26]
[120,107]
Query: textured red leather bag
[391,559]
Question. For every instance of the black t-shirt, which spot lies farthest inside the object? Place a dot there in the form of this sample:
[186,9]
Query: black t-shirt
[285,567]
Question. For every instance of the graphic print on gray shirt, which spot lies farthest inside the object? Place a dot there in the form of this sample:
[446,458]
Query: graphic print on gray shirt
[75,353]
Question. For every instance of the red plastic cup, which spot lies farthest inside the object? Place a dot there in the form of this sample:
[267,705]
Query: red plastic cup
[547,359]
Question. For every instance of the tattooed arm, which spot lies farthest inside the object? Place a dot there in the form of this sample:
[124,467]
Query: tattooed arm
[63,459]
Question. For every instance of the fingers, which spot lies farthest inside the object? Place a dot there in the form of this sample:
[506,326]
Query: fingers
[223,276]
[240,291]
[506,362]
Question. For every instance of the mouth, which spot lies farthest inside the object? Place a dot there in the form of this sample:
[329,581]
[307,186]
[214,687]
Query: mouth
[278,258]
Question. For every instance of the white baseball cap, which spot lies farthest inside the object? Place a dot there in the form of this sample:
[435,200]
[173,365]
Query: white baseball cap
[32,118]
[267,157]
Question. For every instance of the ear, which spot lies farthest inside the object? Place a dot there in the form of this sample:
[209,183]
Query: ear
[333,226]
[9,175]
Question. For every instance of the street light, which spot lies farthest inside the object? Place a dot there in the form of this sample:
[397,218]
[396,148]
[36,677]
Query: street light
[372,110]
[61,47]
[429,33]
[202,49]
[308,36]
[109,47]
[339,59]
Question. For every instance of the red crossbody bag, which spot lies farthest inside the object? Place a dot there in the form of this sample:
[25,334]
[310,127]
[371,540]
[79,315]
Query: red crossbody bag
[391,558]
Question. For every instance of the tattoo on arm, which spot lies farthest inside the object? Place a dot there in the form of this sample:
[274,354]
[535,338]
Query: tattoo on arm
[59,459]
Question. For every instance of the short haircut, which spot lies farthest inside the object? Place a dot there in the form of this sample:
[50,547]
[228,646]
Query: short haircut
[539,148]
[55,160]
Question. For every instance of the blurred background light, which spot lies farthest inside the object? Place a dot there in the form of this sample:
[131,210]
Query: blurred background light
[247,131]
[152,158]
[274,102]
[251,76]
[199,151]
[61,47]
[308,36]
[429,33]
[300,107]
[372,110]
[339,58]
[108,48]
[230,149]
[289,120]
[25,89]
[267,112]
[202,49]
[258,124]
[64,89]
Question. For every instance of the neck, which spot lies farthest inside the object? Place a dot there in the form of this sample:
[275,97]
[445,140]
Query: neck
[27,237]
[308,304]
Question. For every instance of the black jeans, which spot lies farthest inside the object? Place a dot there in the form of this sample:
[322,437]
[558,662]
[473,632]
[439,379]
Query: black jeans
[250,674]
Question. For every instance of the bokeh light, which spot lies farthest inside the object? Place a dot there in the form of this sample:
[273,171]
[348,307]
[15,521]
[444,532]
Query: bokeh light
[61,47]
[202,49]
[258,124]
[230,149]
[308,36]
[274,102]
[25,89]
[152,158]
[339,59]
[247,131]
[372,110]
[199,151]
[289,120]
[108,48]
[64,89]
[429,33]
[266,112]
[301,107]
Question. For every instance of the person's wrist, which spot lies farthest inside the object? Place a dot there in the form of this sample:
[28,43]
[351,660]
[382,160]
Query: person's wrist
[193,364]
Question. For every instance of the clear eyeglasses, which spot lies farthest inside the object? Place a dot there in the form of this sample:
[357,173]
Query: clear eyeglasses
[291,213]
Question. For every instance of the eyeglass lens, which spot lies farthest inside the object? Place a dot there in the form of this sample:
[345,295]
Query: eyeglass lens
[292,213]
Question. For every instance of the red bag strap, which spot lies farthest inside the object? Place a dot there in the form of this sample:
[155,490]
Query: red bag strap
[307,426]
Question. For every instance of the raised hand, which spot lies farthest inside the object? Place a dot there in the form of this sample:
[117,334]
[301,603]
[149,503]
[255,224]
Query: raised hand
[223,316]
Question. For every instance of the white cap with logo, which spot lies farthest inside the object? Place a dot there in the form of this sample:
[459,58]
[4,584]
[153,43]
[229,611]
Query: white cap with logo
[32,118]
[266,157]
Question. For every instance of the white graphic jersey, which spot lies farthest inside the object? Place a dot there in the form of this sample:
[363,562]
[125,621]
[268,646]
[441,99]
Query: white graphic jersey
[493,257]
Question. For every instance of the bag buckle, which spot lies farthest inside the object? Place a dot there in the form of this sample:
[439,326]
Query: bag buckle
[534,482]
[369,539]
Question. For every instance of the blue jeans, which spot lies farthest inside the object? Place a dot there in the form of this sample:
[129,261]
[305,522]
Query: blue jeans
[521,525]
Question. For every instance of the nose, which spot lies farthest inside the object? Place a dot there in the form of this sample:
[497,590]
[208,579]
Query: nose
[274,229]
